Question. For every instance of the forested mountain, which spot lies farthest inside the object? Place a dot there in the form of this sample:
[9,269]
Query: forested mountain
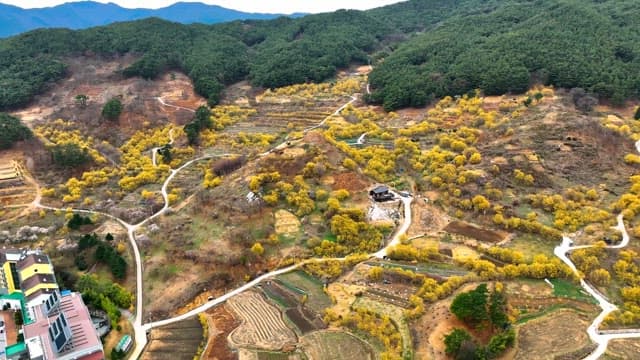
[85,14]
[421,48]
[503,46]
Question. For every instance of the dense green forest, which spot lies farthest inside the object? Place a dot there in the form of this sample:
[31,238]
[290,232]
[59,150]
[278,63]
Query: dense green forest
[588,44]
[12,130]
[422,49]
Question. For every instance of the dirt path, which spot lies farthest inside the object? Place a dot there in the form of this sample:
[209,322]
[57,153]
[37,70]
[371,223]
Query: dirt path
[599,338]
[140,329]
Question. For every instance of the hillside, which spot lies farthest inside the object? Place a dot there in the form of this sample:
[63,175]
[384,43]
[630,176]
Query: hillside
[504,46]
[308,221]
[85,14]
[424,49]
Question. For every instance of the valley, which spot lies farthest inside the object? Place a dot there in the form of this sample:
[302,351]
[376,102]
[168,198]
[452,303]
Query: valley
[280,190]
[174,243]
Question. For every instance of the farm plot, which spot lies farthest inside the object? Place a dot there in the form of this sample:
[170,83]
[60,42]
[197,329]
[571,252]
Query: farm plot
[13,189]
[262,325]
[329,344]
[289,298]
[179,341]
[278,294]
[474,232]
[559,333]
[623,349]
[317,299]
[301,320]
[221,323]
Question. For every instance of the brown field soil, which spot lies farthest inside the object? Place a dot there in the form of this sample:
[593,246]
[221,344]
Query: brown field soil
[262,325]
[298,319]
[221,324]
[472,231]
[178,341]
[538,296]
[559,333]
[17,188]
[426,219]
[305,319]
[331,344]
[350,181]
[395,292]
[623,349]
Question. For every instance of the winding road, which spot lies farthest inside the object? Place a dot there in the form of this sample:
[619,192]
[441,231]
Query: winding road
[602,340]
[141,329]
[161,101]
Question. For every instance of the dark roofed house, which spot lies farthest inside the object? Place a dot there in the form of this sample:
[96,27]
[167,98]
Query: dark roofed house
[32,259]
[38,281]
[381,193]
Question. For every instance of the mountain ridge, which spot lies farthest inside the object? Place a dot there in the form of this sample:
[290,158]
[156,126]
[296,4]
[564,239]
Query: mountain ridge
[85,14]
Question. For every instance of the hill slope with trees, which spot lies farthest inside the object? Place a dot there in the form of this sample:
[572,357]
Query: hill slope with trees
[423,48]
[506,45]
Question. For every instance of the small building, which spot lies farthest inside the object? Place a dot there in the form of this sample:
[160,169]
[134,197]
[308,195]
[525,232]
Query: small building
[62,329]
[124,344]
[381,193]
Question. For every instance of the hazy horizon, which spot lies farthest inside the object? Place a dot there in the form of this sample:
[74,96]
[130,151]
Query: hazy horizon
[273,6]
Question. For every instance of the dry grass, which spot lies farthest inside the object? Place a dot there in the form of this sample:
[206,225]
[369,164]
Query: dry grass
[286,223]
[328,344]
[559,333]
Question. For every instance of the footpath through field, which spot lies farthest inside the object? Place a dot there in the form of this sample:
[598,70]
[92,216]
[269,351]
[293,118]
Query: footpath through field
[140,330]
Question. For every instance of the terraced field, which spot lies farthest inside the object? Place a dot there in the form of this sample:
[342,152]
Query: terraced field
[179,341]
[301,282]
[262,324]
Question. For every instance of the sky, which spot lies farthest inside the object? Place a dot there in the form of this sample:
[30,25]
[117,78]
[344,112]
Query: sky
[263,6]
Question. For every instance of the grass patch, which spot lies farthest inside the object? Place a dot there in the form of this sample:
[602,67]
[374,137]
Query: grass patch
[532,245]
[275,298]
[204,230]
[526,317]
[566,289]
[297,281]
[330,236]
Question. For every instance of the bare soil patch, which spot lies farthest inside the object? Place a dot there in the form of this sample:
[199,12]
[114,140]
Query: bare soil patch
[98,78]
[475,232]
[427,219]
[350,181]
[221,323]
